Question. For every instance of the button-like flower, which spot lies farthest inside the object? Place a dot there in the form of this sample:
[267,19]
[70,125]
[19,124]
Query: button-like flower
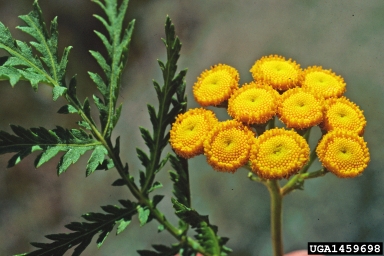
[323,82]
[227,146]
[278,153]
[276,71]
[189,131]
[344,153]
[254,103]
[300,109]
[341,113]
[216,85]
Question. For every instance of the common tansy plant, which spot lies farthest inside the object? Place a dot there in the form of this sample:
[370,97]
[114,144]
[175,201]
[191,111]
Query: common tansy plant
[278,157]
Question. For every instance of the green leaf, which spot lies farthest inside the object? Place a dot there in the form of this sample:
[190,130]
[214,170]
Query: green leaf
[83,233]
[122,226]
[147,137]
[47,155]
[72,91]
[67,109]
[58,91]
[206,233]
[73,142]
[153,117]
[96,159]
[143,157]
[143,215]
[101,86]
[10,73]
[23,64]
[71,157]
[157,199]
[117,46]
[173,87]
[180,179]
[106,165]
[102,62]
[160,228]
[155,185]
[159,92]
[142,178]
[119,182]
[163,162]
[84,124]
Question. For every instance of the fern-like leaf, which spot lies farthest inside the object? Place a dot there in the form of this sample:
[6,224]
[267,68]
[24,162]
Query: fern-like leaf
[117,46]
[206,233]
[171,104]
[22,64]
[102,223]
[180,178]
[73,142]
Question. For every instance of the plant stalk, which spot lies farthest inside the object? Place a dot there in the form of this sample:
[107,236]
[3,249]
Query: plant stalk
[276,217]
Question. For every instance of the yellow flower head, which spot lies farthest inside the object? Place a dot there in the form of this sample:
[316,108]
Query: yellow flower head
[275,70]
[344,153]
[253,103]
[216,85]
[323,82]
[227,146]
[300,109]
[189,130]
[278,153]
[341,113]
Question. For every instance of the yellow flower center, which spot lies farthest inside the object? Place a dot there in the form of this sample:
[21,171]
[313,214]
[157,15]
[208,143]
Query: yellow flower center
[276,71]
[344,114]
[214,86]
[300,109]
[253,103]
[343,153]
[227,146]
[279,69]
[323,82]
[189,130]
[278,153]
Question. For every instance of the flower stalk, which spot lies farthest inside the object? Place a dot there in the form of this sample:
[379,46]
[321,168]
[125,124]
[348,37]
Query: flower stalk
[276,216]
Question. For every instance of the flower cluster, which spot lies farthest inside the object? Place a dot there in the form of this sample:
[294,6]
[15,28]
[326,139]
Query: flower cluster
[300,98]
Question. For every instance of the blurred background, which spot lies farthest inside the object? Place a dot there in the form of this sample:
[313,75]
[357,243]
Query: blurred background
[346,36]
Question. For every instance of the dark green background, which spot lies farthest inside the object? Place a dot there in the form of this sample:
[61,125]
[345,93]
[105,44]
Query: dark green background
[346,36]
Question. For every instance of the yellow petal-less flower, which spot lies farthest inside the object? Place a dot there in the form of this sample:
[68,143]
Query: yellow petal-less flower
[323,82]
[254,103]
[300,109]
[216,85]
[276,71]
[344,153]
[341,113]
[227,146]
[278,153]
[189,131]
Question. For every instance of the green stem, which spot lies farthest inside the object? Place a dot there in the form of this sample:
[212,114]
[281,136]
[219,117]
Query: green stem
[315,174]
[312,158]
[307,133]
[298,180]
[253,177]
[276,217]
